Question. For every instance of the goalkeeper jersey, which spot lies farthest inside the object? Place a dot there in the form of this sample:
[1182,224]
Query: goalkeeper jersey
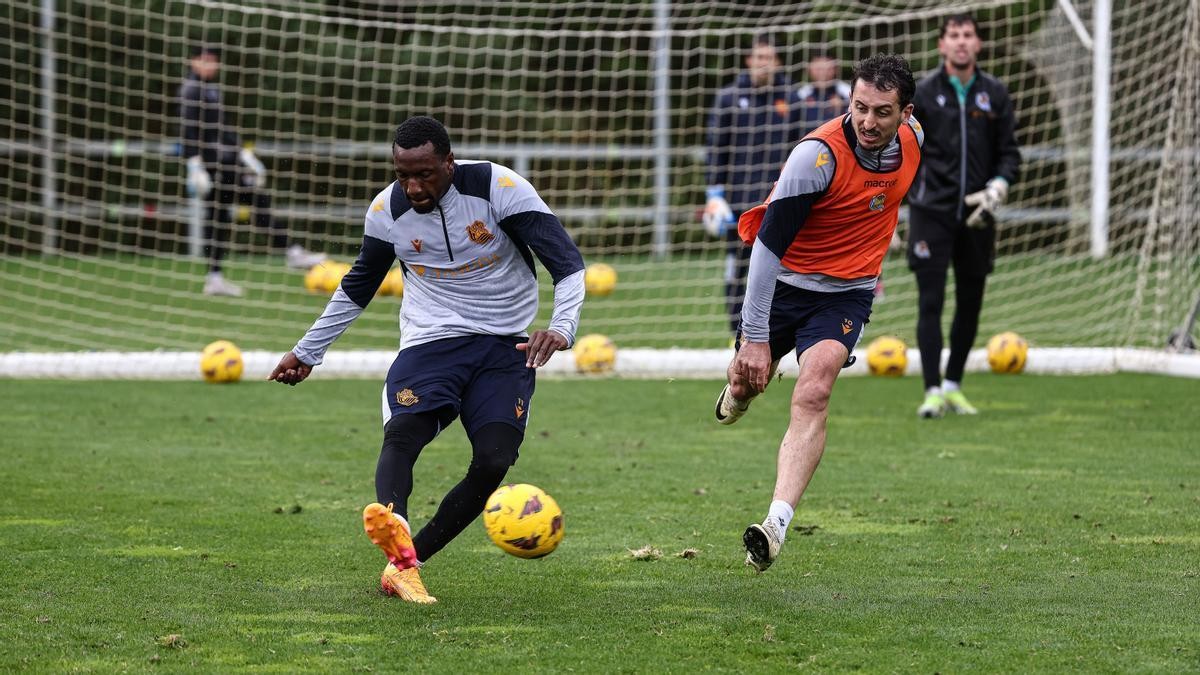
[468,264]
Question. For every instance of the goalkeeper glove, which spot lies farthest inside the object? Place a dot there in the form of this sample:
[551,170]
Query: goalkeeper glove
[199,183]
[258,175]
[717,215]
[987,200]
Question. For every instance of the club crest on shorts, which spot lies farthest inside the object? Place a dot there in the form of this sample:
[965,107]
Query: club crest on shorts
[847,326]
[876,203]
[921,250]
[407,398]
[478,233]
[519,408]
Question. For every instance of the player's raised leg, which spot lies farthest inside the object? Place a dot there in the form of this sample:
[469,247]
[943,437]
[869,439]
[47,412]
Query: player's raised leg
[801,450]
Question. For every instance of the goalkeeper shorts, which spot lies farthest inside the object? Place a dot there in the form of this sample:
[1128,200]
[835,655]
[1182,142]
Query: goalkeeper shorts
[935,240]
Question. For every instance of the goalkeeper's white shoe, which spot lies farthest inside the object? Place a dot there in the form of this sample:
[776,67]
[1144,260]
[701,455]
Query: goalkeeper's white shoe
[729,409]
[762,545]
[215,284]
[299,258]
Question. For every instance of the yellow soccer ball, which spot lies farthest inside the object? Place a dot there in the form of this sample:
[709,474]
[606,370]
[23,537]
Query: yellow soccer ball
[595,354]
[523,521]
[324,277]
[1007,352]
[887,356]
[599,279]
[393,283]
[337,270]
[317,278]
[221,361]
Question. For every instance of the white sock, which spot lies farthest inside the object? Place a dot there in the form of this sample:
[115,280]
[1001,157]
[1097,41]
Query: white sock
[933,391]
[949,386]
[780,515]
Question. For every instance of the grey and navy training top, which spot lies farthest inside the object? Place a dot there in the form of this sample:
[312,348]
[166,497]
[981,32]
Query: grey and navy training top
[468,264]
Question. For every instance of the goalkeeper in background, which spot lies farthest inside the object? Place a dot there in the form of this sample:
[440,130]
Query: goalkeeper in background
[752,127]
[969,159]
[215,175]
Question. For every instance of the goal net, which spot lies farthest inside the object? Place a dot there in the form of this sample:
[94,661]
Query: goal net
[601,104]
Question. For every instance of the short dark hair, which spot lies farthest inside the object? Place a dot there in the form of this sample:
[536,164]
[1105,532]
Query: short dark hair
[200,50]
[887,72]
[959,19]
[763,40]
[417,131]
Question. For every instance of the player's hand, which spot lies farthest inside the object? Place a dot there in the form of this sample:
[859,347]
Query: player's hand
[258,173]
[290,370]
[987,200]
[753,362]
[541,346]
[199,183]
[717,215]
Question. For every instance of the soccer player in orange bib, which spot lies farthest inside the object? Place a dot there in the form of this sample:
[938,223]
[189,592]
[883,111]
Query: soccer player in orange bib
[818,247]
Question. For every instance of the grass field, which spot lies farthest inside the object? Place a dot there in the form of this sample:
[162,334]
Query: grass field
[190,527]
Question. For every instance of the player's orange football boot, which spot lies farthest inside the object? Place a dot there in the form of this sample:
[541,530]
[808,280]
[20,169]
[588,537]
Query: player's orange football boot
[405,584]
[391,534]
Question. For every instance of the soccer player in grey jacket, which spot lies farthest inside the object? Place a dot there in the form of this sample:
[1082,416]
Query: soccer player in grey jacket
[466,234]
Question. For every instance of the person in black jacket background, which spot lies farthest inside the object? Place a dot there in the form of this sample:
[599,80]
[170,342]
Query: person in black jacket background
[824,96]
[752,127]
[969,159]
[209,145]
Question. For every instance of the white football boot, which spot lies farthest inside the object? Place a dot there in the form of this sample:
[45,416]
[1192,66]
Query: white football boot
[215,284]
[762,543]
[729,409]
[299,258]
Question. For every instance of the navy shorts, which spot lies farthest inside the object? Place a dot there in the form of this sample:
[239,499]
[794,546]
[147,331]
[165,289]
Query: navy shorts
[801,318]
[482,378]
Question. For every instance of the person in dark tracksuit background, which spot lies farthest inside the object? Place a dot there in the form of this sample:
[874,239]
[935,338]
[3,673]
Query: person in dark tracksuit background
[824,96]
[969,160]
[754,123]
[209,145]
